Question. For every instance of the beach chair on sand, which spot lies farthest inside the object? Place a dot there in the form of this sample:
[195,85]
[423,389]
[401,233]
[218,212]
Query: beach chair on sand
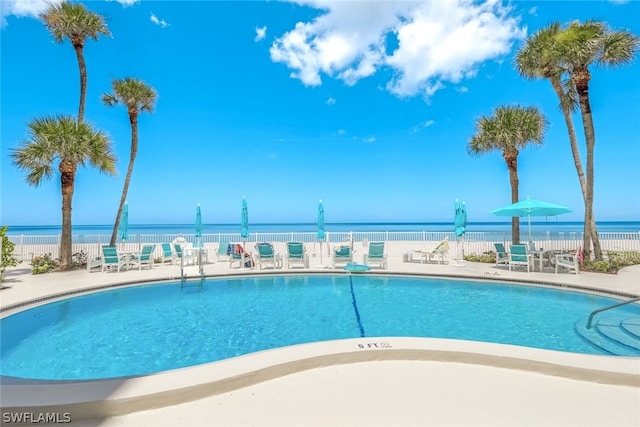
[502,257]
[376,255]
[111,260]
[341,255]
[296,254]
[266,255]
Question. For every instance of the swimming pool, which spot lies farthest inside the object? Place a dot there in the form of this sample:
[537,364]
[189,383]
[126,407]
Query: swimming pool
[145,329]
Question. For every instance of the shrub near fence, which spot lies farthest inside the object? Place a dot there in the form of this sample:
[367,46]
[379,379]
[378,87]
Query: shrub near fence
[29,246]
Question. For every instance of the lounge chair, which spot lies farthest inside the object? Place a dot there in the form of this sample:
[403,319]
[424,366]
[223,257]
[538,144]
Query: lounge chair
[167,253]
[520,256]
[439,253]
[266,255]
[296,254]
[111,259]
[376,255]
[237,254]
[502,257]
[569,260]
[341,255]
[145,258]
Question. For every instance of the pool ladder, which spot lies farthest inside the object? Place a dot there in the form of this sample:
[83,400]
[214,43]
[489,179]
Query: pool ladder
[183,277]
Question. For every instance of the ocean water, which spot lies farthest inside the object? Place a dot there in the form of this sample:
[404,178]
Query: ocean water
[186,229]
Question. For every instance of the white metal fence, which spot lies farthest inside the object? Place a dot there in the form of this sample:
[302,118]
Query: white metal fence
[28,246]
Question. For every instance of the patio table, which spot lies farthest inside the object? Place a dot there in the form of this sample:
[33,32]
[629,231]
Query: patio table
[128,257]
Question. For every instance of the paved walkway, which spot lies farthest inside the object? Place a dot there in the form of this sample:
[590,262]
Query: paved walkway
[383,392]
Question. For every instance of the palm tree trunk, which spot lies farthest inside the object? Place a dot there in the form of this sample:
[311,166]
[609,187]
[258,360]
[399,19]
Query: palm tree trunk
[67,178]
[582,86]
[512,165]
[133,119]
[573,141]
[83,79]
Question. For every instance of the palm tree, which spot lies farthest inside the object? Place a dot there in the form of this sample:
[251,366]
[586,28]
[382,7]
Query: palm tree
[509,130]
[72,144]
[534,61]
[575,49]
[137,96]
[75,22]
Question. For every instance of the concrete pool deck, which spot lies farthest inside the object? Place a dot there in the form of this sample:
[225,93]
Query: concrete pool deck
[414,382]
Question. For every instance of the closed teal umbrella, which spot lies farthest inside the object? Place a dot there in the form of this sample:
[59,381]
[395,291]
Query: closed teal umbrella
[320,234]
[460,221]
[244,220]
[123,228]
[198,235]
[460,218]
[244,226]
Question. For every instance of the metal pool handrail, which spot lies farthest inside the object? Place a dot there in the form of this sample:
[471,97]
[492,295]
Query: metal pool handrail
[600,310]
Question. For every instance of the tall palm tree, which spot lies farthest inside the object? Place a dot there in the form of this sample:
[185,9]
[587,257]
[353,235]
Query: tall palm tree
[509,130]
[71,144]
[75,22]
[137,96]
[535,60]
[576,48]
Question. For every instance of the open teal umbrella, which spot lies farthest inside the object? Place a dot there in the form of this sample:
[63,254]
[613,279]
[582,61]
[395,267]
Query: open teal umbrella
[198,235]
[530,207]
[320,234]
[123,228]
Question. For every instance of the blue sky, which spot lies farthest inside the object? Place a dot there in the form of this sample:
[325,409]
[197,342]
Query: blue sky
[366,105]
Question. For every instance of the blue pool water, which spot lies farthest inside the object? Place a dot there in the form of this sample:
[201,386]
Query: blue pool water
[145,329]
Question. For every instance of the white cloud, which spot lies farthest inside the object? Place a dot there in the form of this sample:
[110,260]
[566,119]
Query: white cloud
[23,8]
[331,101]
[341,131]
[425,43]
[462,89]
[533,11]
[127,2]
[261,33]
[32,8]
[619,1]
[422,125]
[370,140]
[160,22]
